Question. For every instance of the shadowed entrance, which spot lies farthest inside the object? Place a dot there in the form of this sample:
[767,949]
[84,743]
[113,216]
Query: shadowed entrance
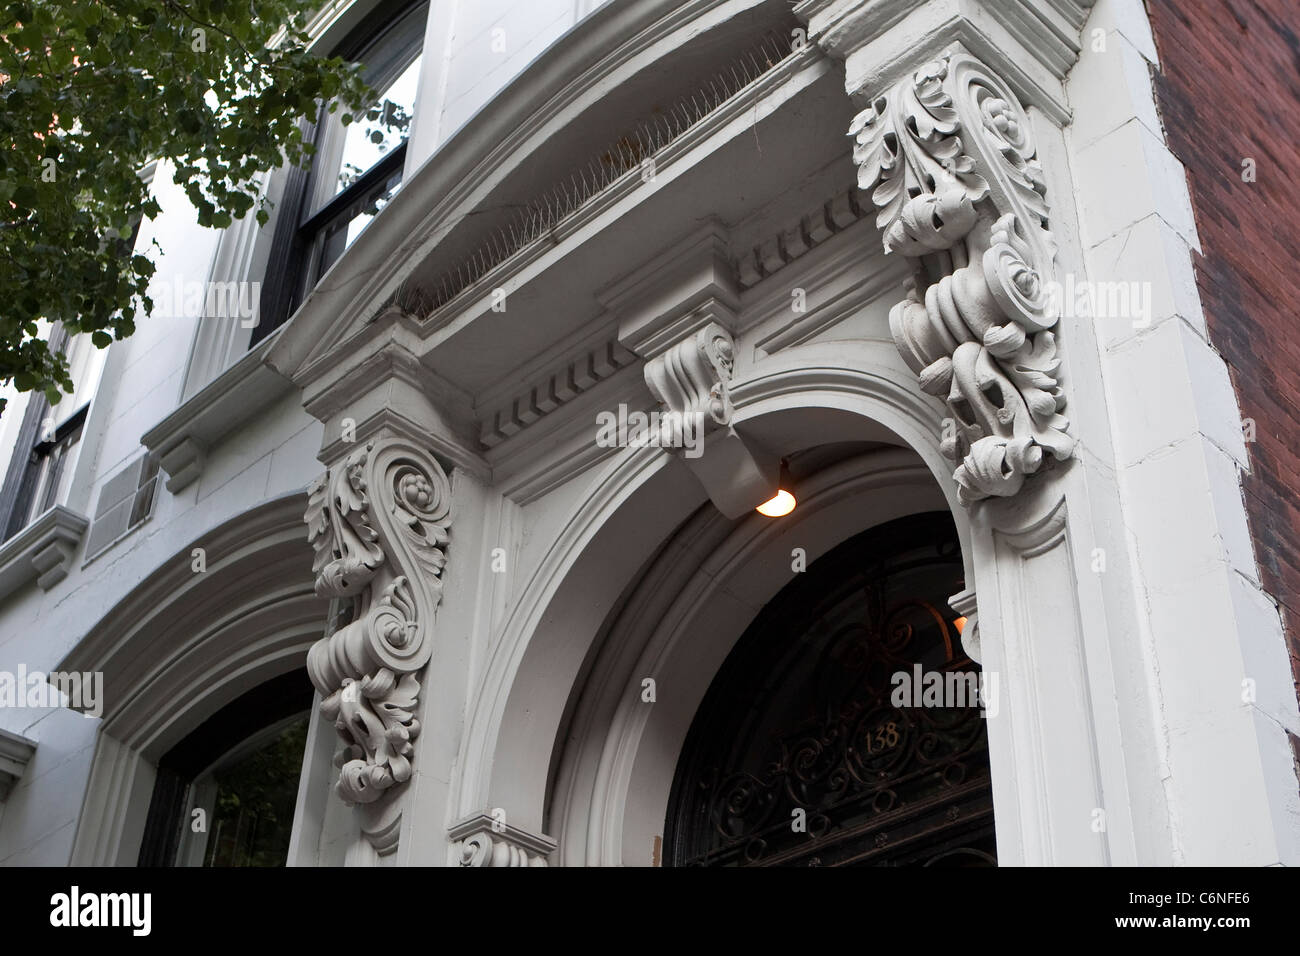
[800,754]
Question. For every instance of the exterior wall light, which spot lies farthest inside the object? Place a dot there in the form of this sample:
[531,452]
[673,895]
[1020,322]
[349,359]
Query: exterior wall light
[783,502]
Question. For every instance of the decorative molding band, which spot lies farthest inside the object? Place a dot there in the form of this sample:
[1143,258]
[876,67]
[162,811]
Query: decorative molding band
[949,160]
[378,523]
[43,550]
[559,388]
[15,754]
[811,230]
[484,840]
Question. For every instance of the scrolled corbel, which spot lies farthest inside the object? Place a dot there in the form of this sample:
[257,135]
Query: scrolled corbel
[379,525]
[692,379]
[947,156]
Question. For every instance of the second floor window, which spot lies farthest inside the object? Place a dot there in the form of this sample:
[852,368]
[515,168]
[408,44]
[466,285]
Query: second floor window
[40,471]
[357,167]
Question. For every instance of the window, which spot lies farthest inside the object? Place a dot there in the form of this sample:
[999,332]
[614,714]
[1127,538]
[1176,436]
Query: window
[40,472]
[225,795]
[356,169]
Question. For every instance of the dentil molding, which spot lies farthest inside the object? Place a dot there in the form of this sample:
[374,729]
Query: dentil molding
[379,523]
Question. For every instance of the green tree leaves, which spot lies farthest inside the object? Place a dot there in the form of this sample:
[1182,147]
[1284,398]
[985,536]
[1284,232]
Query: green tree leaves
[102,87]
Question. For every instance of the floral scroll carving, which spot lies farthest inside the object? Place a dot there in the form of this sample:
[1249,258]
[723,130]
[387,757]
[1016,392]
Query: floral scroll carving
[692,378]
[379,526]
[948,159]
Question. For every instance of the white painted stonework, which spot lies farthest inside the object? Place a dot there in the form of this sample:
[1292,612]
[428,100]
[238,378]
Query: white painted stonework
[846,259]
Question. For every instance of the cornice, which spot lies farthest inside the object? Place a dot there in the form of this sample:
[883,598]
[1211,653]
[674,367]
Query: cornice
[1032,43]
[16,753]
[560,447]
[184,438]
[839,281]
[483,840]
[576,72]
[532,403]
[42,551]
[799,238]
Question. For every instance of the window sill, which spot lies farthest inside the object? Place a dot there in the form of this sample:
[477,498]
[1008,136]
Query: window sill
[43,550]
[15,754]
[182,439]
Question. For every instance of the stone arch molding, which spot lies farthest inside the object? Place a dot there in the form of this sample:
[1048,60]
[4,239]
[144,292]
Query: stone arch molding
[855,389]
[948,157]
[178,648]
[610,796]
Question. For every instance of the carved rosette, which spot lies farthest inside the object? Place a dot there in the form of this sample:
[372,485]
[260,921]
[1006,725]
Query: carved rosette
[948,158]
[378,523]
[692,378]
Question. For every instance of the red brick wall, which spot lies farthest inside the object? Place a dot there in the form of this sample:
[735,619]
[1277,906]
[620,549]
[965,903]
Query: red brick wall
[1229,89]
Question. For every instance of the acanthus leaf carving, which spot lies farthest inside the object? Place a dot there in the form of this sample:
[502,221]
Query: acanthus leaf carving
[379,525]
[948,159]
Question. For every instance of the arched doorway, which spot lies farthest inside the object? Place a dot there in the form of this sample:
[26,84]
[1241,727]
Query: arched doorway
[844,728]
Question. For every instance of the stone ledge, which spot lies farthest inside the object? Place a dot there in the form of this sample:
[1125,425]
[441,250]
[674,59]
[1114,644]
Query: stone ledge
[43,550]
[182,439]
[15,754]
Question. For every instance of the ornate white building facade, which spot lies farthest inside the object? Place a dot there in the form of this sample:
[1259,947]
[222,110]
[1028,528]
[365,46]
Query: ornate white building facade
[926,264]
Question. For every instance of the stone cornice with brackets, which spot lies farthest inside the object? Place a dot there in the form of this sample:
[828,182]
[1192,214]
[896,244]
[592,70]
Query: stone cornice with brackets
[839,282]
[379,521]
[42,551]
[380,384]
[558,388]
[945,149]
[664,298]
[184,438]
[16,753]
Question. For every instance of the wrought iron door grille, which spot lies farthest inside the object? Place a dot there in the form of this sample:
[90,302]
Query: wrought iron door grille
[800,722]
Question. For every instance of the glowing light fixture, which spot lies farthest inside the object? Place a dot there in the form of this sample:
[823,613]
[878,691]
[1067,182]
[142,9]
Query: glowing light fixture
[783,502]
[960,624]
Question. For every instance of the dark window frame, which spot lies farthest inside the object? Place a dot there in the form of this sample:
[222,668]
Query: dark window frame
[266,704]
[19,487]
[293,267]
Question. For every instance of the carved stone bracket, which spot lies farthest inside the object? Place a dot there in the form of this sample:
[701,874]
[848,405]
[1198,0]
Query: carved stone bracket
[379,525]
[484,840]
[692,379]
[948,158]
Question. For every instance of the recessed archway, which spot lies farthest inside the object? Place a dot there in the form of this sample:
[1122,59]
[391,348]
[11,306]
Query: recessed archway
[645,509]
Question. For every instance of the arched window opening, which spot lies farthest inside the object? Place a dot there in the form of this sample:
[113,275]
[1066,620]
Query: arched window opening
[225,795]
